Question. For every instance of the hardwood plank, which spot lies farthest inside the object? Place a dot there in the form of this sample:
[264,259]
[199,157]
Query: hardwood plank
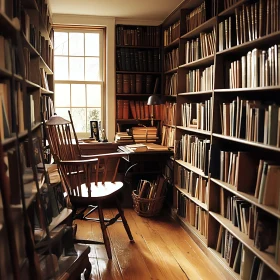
[185,250]
[140,238]
[129,254]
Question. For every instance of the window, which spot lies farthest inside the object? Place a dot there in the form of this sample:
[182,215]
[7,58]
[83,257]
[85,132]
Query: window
[78,76]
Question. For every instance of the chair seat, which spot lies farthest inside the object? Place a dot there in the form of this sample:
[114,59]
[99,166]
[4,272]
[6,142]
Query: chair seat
[97,192]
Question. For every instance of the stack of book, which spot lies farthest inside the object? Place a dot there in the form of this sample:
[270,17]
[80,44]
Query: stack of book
[123,137]
[144,134]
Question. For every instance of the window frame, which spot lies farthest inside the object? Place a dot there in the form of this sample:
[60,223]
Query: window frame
[102,69]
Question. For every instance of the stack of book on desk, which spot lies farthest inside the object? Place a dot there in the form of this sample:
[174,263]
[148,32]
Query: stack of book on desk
[144,134]
[123,137]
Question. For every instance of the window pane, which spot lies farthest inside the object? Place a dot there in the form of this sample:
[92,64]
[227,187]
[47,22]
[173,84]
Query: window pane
[76,68]
[63,112]
[60,43]
[78,95]
[76,44]
[94,95]
[93,114]
[79,119]
[62,95]
[92,44]
[61,68]
[92,69]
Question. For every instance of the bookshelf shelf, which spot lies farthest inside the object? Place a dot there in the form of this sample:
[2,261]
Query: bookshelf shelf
[223,262]
[171,71]
[200,131]
[195,200]
[246,142]
[208,92]
[250,198]
[193,230]
[231,9]
[200,62]
[273,38]
[203,27]
[192,168]
[173,44]
[243,238]
[263,90]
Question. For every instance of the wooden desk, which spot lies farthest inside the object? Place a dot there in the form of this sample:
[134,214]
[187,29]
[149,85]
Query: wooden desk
[142,165]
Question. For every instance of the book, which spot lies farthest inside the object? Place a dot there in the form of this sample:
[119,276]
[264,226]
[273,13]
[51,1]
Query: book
[137,147]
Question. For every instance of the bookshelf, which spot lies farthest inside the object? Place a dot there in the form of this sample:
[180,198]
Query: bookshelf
[223,60]
[138,75]
[31,234]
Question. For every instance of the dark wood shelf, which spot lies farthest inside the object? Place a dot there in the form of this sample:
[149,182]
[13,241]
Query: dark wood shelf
[171,71]
[200,131]
[172,45]
[205,61]
[203,27]
[207,92]
[267,40]
[137,72]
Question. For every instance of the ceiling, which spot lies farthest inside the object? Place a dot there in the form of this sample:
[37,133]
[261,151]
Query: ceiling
[156,10]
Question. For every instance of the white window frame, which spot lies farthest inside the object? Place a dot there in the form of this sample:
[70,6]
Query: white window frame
[101,82]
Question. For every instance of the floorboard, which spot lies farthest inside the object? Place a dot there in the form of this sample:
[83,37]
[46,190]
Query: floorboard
[162,250]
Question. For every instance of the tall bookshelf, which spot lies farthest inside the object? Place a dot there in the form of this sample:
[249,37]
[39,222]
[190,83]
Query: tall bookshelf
[138,75]
[32,235]
[226,146]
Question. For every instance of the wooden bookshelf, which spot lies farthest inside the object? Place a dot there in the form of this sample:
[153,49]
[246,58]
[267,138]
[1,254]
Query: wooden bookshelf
[26,74]
[235,38]
[138,74]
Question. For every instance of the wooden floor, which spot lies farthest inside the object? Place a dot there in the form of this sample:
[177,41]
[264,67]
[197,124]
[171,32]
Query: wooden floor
[162,250]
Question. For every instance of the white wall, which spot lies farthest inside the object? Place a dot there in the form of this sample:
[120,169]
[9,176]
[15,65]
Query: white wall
[109,23]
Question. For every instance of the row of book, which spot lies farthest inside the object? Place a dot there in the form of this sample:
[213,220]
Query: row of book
[262,177]
[138,60]
[171,60]
[241,259]
[35,38]
[171,84]
[200,79]
[195,151]
[193,183]
[171,33]
[137,109]
[167,136]
[258,68]
[252,221]
[137,84]
[47,107]
[200,47]
[138,36]
[169,113]
[193,214]
[197,115]
[205,11]
[8,55]
[256,20]
[251,120]
[9,123]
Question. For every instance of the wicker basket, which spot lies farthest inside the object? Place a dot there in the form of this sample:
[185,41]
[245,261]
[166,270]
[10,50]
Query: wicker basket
[147,207]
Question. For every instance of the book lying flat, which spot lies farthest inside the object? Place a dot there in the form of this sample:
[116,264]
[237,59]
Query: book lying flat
[137,147]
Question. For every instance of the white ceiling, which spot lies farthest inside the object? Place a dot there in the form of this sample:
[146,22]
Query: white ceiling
[155,10]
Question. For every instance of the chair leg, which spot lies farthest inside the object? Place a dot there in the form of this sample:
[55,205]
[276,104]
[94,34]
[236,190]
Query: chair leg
[104,231]
[125,224]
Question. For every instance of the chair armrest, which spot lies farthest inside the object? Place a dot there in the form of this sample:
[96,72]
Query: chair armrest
[79,161]
[109,155]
